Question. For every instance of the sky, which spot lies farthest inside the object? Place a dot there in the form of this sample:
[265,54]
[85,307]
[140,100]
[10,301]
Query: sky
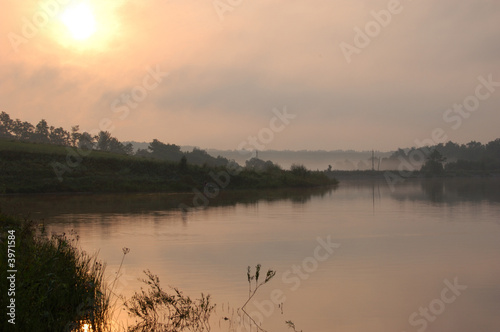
[274,74]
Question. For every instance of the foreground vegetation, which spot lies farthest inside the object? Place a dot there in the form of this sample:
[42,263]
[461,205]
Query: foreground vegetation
[57,287]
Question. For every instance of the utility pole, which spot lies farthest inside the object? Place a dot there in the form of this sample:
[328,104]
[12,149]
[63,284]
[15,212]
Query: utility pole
[373,160]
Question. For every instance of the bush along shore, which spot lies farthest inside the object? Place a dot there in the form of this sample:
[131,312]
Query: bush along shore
[49,284]
[46,168]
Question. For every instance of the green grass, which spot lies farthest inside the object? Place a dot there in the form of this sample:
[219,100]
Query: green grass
[45,168]
[7,145]
[58,287]
[51,149]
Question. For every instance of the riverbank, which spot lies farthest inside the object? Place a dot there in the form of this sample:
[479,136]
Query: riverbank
[52,285]
[45,168]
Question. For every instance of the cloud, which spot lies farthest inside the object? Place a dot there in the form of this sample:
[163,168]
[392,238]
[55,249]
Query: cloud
[226,76]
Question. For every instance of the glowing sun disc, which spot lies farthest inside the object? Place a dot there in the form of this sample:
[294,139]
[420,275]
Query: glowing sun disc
[80,21]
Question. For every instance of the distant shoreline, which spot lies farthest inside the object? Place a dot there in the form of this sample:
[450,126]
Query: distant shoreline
[28,168]
[381,175]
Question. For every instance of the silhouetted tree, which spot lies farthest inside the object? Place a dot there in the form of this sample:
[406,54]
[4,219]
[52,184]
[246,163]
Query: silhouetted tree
[23,130]
[261,165]
[103,141]
[434,163]
[164,151]
[492,149]
[75,135]
[400,153]
[42,133]
[59,136]
[108,143]
[200,157]
[6,125]
[128,148]
[86,141]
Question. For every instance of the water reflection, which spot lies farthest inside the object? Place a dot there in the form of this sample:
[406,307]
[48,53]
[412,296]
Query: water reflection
[51,205]
[446,191]
[450,191]
[397,247]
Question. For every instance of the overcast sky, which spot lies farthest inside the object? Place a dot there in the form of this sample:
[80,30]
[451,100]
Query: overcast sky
[231,62]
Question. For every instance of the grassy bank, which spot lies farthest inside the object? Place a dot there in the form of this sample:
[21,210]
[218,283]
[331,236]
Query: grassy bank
[44,168]
[56,287]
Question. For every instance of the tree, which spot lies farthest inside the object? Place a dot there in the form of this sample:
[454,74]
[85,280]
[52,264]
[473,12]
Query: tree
[399,154]
[86,141]
[5,125]
[103,141]
[474,151]
[493,149]
[260,165]
[41,134]
[450,149]
[59,136]
[22,130]
[108,143]
[434,163]
[75,135]
[199,157]
[115,146]
[128,148]
[164,151]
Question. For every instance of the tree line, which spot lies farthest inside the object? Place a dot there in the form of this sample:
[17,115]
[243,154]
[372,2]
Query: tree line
[43,133]
[472,151]
[452,156]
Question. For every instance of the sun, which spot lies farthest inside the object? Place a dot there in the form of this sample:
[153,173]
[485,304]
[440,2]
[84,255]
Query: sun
[80,21]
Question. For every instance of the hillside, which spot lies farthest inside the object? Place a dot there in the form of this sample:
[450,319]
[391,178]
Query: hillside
[37,167]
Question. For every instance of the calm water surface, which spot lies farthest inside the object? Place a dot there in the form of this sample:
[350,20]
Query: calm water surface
[425,257]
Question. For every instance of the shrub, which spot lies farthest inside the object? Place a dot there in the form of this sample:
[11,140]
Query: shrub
[58,286]
[158,311]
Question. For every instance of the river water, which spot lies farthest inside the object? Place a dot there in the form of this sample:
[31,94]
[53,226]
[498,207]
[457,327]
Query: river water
[424,256]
